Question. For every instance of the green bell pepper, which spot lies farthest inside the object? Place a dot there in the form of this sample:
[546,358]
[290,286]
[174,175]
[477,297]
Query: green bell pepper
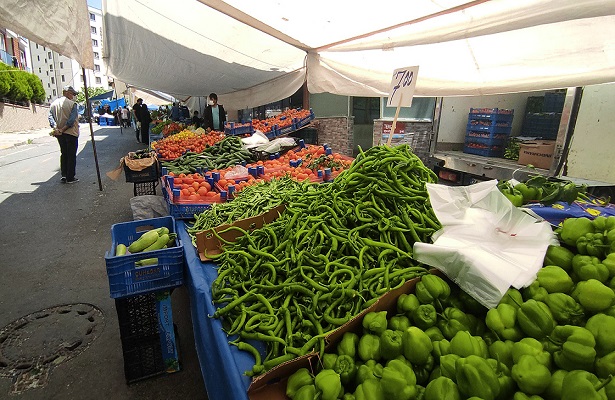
[423,371]
[470,305]
[602,327]
[448,365]
[328,360]
[502,351]
[425,316]
[523,396]
[398,381]
[604,224]
[417,346]
[348,396]
[391,344]
[369,347]
[345,368]
[442,388]
[432,289]
[328,384]
[605,366]
[348,345]
[512,297]
[554,390]
[593,244]
[463,344]
[609,263]
[407,303]
[370,370]
[535,319]
[434,333]
[529,193]
[560,256]
[475,377]
[565,309]
[512,194]
[589,267]
[371,389]
[555,279]
[531,376]
[477,325]
[535,292]
[593,295]
[399,323]
[532,347]
[452,321]
[441,348]
[307,392]
[576,347]
[507,384]
[296,381]
[375,322]
[582,385]
[574,228]
[502,320]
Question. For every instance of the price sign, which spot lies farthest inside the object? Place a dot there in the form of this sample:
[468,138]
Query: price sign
[402,87]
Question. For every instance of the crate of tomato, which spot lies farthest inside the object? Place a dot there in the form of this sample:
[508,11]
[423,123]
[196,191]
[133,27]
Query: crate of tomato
[189,194]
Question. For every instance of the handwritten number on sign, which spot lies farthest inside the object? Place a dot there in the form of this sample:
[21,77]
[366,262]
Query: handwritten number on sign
[404,78]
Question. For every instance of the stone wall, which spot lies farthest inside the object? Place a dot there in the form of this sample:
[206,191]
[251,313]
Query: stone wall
[337,132]
[14,118]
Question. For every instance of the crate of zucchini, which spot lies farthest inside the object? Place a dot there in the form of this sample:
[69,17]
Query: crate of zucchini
[226,153]
[332,253]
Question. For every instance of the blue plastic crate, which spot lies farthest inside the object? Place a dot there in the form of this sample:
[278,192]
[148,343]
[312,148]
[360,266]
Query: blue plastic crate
[186,211]
[553,102]
[304,121]
[489,141]
[102,121]
[493,152]
[287,130]
[231,130]
[125,278]
[490,119]
[544,125]
[492,130]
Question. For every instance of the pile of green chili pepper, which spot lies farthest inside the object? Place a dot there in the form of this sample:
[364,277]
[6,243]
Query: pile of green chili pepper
[335,250]
[251,201]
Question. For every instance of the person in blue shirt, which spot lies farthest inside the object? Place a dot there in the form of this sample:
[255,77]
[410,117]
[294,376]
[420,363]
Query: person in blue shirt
[175,112]
[214,114]
[62,117]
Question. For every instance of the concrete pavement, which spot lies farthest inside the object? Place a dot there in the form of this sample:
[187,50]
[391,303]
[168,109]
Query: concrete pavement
[53,238]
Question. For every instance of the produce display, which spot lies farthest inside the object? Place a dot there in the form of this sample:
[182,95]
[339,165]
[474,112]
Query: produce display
[221,154]
[167,128]
[333,252]
[194,188]
[539,188]
[283,120]
[154,239]
[553,340]
[174,146]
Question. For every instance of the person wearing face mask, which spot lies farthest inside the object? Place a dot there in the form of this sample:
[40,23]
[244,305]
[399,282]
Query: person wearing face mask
[214,114]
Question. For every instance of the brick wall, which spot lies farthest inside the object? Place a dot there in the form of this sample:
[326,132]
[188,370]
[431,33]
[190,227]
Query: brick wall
[337,132]
[15,118]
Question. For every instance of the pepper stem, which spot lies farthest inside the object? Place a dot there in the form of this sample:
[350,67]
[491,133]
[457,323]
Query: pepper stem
[604,383]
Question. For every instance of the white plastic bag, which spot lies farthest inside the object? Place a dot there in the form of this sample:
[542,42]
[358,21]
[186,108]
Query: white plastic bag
[238,172]
[257,139]
[486,244]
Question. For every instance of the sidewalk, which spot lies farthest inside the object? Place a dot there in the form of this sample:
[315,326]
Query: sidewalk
[8,140]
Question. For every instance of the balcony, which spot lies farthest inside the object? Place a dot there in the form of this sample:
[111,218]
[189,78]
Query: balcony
[6,58]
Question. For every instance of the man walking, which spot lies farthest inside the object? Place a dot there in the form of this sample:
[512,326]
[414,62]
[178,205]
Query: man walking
[62,116]
[144,118]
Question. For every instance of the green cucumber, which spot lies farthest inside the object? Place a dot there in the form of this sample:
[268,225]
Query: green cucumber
[146,240]
[120,249]
[159,243]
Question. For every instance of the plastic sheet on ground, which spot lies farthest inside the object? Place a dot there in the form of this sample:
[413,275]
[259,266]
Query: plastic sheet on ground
[148,206]
[486,244]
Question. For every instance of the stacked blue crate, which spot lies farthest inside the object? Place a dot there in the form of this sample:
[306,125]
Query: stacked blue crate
[487,131]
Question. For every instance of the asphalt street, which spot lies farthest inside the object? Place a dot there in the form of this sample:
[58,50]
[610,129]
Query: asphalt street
[53,240]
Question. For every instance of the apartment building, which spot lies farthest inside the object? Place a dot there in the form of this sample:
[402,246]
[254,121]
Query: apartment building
[14,50]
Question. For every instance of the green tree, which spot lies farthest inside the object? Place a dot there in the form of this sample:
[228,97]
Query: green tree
[5,80]
[20,88]
[38,92]
[80,98]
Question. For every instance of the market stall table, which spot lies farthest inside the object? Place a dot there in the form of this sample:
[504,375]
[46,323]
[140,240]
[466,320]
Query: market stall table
[222,365]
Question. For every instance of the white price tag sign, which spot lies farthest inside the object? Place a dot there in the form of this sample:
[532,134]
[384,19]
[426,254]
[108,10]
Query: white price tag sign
[402,87]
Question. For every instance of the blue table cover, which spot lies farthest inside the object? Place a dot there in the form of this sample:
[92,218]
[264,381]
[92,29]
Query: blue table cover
[222,365]
[558,212]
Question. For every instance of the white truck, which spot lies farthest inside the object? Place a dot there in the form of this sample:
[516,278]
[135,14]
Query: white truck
[584,145]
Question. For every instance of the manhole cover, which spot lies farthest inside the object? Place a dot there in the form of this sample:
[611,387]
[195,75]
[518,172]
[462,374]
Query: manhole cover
[32,345]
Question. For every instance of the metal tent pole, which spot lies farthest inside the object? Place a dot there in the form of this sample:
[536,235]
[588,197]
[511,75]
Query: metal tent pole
[87,104]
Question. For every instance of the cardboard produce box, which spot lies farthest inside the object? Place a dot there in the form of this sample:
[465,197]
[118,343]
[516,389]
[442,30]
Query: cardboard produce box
[208,244]
[538,153]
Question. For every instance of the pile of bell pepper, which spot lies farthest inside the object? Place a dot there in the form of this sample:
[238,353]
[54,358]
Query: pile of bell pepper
[554,339]
[540,189]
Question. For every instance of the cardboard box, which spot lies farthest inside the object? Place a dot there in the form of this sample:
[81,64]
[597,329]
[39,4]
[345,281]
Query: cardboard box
[272,385]
[539,153]
[207,243]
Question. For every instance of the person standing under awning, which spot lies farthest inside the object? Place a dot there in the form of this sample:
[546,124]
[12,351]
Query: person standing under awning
[214,115]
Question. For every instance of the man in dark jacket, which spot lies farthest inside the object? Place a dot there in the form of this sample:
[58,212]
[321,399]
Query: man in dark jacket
[214,115]
[143,118]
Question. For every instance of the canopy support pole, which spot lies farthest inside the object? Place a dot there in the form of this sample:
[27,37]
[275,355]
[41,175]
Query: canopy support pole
[87,104]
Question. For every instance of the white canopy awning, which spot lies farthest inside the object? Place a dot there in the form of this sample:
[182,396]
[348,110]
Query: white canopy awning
[62,26]
[254,52]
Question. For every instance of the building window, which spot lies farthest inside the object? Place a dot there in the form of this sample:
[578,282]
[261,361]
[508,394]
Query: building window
[61,64]
[63,80]
[94,42]
[81,78]
[38,58]
[96,55]
[40,71]
[92,17]
[48,84]
[37,45]
[54,92]
[49,55]
[93,29]
[97,67]
[98,80]
[53,80]
[50,67]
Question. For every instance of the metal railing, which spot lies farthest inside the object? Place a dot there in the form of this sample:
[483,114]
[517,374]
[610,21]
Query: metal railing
[6,58]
